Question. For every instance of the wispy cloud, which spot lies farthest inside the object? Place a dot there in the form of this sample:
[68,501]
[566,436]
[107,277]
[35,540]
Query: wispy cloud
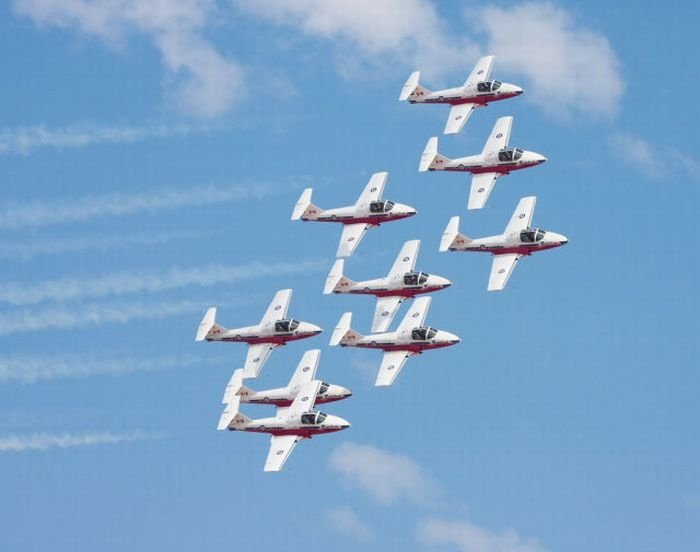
[47,441]
[27,250]
[23,140]
[385,476]
[15,215]
[121,283]
[34,368]
[347,522]
[465,536]
[69,317]
[653,160]
[201,80]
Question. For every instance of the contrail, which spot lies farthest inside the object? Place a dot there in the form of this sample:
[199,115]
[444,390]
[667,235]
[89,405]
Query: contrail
[46,441]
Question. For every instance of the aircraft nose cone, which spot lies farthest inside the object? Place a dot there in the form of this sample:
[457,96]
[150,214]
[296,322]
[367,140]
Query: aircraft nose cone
[518,91]
[540,158]
[345,393]
[313,328]
[452,338]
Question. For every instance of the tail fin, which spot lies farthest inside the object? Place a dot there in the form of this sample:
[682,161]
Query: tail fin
[344,335]
[304,209]
[411,89]
[306,369]
[431,160]
[335,281]
[235,387]
[230,417]
[451,236]
[208,326]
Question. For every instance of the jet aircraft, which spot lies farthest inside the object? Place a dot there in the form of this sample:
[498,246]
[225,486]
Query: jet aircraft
[409,339]
[401,283]
[518,240]
[369,211]
[477,91]
[290,425]
[237,393]
[274,329]
[495,160]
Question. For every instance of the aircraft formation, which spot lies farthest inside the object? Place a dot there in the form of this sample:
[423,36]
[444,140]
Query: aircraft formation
[295,418]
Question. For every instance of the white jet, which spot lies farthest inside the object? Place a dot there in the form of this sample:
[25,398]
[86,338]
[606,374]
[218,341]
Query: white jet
[409,339]
[518,240]
[401,283]
[477,91]
[290,425]
[369,211]
[495,160]
[237,393]
[275,329]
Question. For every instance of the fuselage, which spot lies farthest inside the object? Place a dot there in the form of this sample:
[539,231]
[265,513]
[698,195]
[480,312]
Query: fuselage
[490,163]
[384,211]
[268,333]
[512,243]
[406,285]
[280,426]
[404,340]
[284,396]
[470,94]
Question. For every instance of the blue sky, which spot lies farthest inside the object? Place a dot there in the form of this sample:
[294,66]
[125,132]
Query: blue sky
[151,154]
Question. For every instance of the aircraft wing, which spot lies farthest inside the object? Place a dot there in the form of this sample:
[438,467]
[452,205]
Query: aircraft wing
[392,362]
[281,446]
[459,114]
[306,398]
[522,216]
[351,236]
[501,269]
[384,312]
[406,260]
[306,369]
[373,190]
[416,315]
[278,308]
[500,134]
[481,71]
[256,358]
[482,184]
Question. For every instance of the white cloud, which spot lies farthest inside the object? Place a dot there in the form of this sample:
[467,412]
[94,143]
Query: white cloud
[22,140]
[637,152]
[568,68]
[467,537]
[205,83]
[15,215]
[379,32]
[346,521]
[34,368]
[27,250]
[121,283]
[385,476]
[46,441]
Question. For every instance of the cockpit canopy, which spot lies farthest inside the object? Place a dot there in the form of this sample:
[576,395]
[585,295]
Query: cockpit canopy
[423,334]
[488,86]
[286,325]
[313,418]
[531,235]
[510,154]
[415,278]
[383,206]
[323,388]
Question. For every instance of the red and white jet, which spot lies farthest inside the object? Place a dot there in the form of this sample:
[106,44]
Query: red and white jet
[275,329]
[401,283]
[290,425]
[518,240]
[494,161]
[369,211]
[411,338]
[477,91]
